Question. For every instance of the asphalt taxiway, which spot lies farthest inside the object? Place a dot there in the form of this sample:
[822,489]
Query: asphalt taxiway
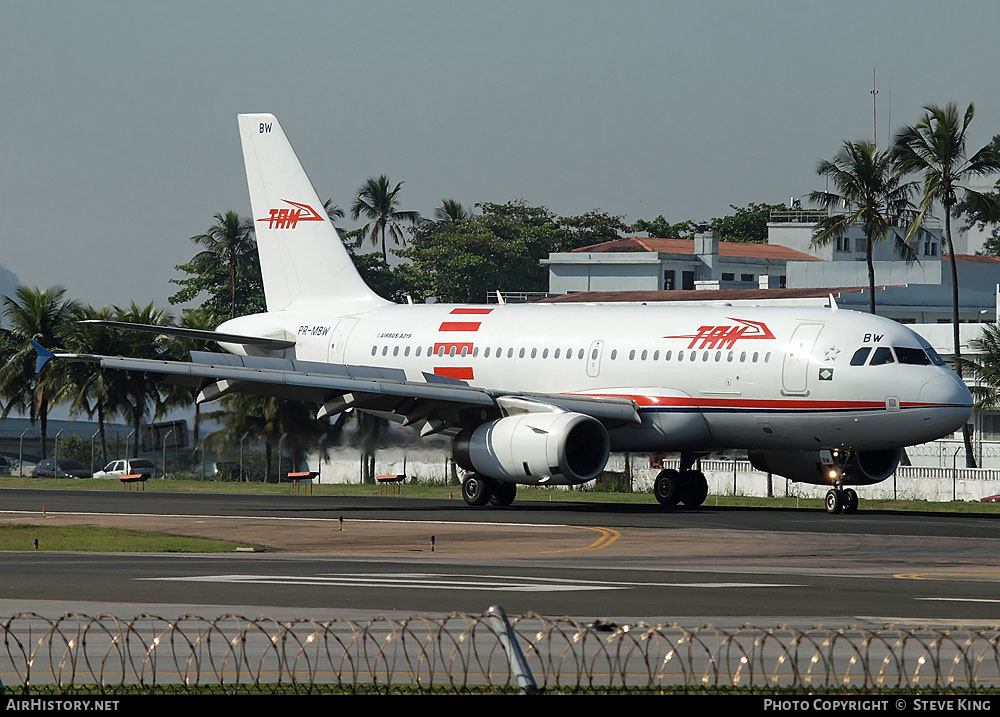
[622,562]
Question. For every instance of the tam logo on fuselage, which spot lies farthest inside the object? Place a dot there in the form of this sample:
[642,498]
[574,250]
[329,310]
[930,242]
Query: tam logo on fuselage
[285,218]
[724,337]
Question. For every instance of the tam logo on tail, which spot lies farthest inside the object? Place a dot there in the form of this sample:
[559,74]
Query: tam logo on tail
[285,218]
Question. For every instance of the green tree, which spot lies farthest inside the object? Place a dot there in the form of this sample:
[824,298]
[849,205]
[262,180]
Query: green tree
[868,192]
[227,269]
[594,227]
[377,203]
[747,224]
[662,229]
[44,315]
[935,148]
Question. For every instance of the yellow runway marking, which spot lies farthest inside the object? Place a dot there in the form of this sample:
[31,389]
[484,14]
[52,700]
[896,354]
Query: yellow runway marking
[608,536]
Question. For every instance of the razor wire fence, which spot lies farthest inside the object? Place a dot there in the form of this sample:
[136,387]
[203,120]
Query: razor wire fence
[465,652]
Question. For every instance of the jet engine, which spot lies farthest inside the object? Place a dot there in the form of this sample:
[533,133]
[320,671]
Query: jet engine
[555,448]
[829,467]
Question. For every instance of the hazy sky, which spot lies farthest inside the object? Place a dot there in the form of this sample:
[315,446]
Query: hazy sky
[119,137]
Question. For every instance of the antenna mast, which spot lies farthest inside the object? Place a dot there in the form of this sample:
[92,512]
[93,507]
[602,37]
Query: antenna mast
[874,112]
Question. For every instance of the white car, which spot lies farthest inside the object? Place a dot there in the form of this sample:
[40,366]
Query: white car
[127,466]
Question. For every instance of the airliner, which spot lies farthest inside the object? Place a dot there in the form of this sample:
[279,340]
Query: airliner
[540,394]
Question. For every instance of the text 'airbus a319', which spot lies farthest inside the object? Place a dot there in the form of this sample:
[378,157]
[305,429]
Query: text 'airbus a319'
[540,394]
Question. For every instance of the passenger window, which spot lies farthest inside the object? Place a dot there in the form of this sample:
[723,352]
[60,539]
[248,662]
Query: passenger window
[656,355]
[487,354]
[730,357]
[580,355]
[882,356]
[755,355]
[860,356]
[534,352]
[556,354]
[374,350]
[406,351]
[520,354]
[510,352]
[666,356]
[915,357]
[395,351]
[631,355]
[545,353]
[385,350]
[465,351]
[419,348]
[704,356]
[614,354]
[680,355]
[644,355]
[451,351]
[743,356]
[693,355]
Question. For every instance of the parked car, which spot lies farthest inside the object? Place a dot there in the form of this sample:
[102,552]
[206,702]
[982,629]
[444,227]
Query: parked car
[127,466]
[66,468]
[223,470]
[990,499]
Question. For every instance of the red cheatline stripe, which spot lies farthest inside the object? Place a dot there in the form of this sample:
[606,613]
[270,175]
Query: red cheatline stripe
[471,311]
[460,326]
[743,402]
[458,347]
[463,373]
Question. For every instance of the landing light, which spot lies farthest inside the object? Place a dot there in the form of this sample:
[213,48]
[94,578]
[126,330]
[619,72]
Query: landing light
[833,474]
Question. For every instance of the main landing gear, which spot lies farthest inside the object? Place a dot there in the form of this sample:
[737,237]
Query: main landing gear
[479,490]
[841,500]
[687,486]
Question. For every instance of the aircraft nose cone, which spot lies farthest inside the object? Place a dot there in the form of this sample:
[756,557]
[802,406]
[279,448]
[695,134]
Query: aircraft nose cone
[950,399]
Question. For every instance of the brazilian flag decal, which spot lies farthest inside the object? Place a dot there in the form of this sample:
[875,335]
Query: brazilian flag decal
[826,374]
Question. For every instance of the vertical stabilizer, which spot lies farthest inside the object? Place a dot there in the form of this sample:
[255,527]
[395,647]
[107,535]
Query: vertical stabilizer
[301,257]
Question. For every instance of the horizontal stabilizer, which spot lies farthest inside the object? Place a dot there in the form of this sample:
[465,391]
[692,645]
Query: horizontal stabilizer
[199,334]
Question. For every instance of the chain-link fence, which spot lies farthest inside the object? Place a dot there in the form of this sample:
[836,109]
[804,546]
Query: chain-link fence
[463,652]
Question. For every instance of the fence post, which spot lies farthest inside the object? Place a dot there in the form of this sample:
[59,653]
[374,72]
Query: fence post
[518,665]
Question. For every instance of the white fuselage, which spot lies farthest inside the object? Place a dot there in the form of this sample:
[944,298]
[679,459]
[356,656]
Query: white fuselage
[703,377]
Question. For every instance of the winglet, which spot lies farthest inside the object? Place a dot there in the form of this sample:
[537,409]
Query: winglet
[833,303]
[43,356]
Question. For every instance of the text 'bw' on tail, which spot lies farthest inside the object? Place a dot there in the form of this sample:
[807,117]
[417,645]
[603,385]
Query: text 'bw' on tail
[302,260]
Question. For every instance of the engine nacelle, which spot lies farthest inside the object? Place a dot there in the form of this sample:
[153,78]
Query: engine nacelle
[557,448]
[850,468]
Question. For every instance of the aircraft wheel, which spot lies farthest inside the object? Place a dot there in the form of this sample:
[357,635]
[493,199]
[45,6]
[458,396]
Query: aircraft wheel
[695,488]
[834,501]
[850,501]
[475,490]
[503,494]
[667,487]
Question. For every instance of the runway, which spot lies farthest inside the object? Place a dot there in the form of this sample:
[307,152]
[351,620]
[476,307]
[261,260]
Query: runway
[616,562]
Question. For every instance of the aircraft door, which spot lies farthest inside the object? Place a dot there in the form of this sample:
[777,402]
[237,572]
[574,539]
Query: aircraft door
[338,340]
[795,369]
[594,358]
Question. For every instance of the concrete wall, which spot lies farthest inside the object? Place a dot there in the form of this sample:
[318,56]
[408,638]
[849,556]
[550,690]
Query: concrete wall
[912,483]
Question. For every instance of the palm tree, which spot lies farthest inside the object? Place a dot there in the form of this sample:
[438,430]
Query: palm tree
[180,348]
[45,316]
[870,191]
[451,211]
[229,243]
[935,149]
[88,386]
[377,203]
[134,393]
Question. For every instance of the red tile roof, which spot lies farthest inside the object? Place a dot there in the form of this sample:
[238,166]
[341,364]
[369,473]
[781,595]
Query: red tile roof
[686,246]
[972,258]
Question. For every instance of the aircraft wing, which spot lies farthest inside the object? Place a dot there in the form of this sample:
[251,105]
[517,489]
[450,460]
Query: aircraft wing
[438,403]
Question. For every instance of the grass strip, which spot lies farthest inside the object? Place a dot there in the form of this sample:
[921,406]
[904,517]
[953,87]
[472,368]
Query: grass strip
[21,537]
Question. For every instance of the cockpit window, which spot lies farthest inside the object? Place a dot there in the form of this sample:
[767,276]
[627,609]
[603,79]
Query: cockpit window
[860,356]
[916,357]
[935,357]
[882,355]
